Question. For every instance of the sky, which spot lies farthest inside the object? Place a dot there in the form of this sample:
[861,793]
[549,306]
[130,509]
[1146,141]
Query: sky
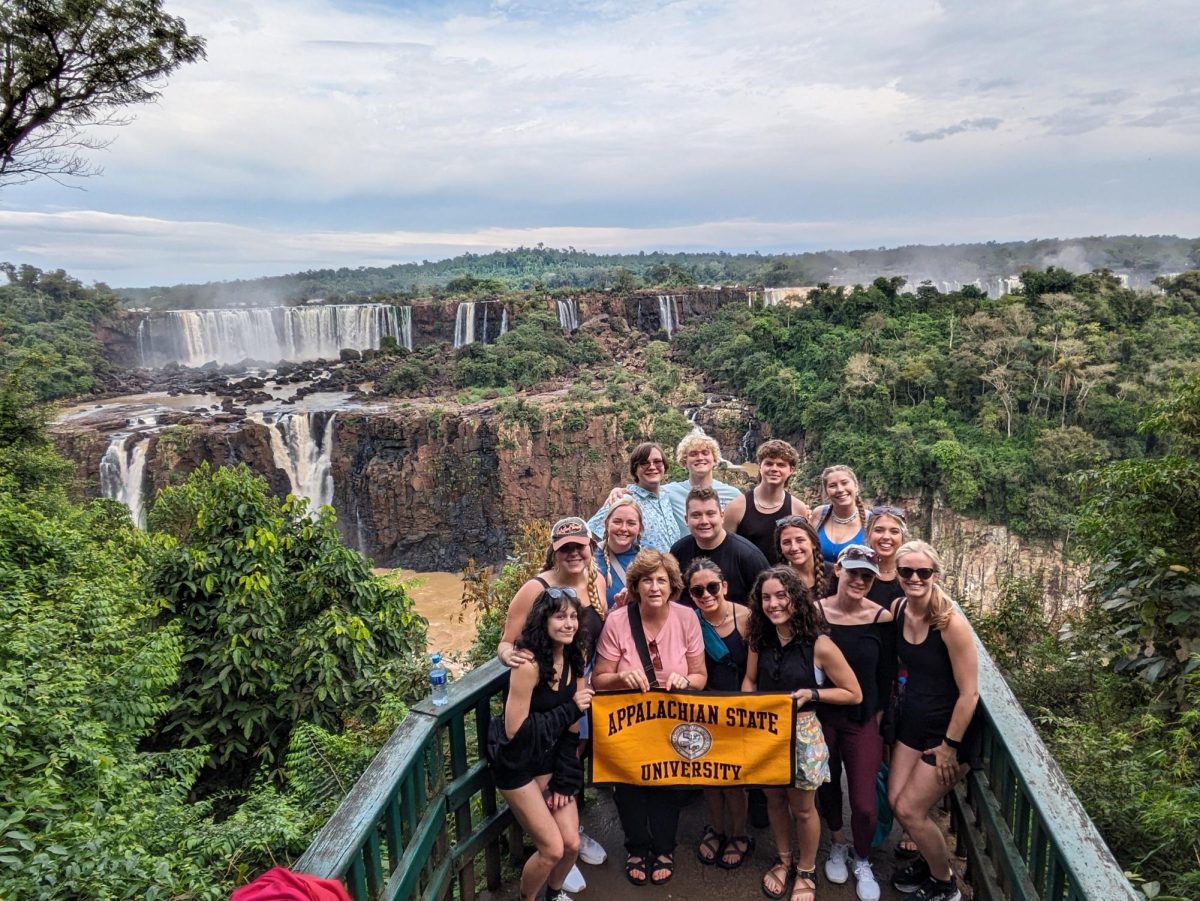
[326,134]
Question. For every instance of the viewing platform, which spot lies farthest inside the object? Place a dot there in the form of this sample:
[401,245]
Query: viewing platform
[426,821]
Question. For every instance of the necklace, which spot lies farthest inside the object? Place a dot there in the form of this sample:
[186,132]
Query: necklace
[844,520]
[888,572]
[728,616]
[767,508]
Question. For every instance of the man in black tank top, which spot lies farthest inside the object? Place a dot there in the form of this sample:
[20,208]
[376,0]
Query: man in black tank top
[754,514]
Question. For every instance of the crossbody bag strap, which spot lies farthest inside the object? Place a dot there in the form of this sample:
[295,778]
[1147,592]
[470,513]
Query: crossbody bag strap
[639,642]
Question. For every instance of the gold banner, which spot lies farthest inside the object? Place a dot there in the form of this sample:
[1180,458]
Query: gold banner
[692,738]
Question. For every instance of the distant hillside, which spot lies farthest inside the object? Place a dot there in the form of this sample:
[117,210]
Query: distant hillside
[1138,258]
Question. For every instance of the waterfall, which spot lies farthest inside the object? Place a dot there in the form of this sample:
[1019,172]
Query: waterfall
[503,320]
[297,451]
[464,324]
[122,472]
[406,327]
[269,334]
[568,314]
[668,313]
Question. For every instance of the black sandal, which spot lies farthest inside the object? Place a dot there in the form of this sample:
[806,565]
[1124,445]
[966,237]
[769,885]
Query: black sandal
[634,862]
[712,842]
[660,864]
[809,876]
[746,844]
[906,853]
[777,867]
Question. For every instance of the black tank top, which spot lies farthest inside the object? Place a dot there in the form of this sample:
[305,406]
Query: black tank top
[726,675]
[546,697]
[865,649]
[759,528]
[589,619]
[785,667]
[930,674]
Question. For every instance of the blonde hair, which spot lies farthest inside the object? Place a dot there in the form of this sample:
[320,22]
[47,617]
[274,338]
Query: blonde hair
[940,607]
[593,589]
[873,518]
[625,501]
[693,440]
[858,501]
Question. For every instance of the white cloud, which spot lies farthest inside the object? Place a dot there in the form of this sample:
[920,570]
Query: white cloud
[310,116]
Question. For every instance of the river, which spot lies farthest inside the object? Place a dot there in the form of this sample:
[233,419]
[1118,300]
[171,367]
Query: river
[438,597]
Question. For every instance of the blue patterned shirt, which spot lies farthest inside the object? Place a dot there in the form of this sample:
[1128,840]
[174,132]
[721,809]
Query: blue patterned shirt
[662,527]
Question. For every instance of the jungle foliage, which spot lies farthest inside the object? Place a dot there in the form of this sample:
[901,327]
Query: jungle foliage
[46,321]
[126,672]
[992,404]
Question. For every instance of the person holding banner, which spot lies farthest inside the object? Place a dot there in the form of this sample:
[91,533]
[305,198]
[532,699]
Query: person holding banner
[533,749]
[864,633]
[790,650]
[650,642]
[723,626]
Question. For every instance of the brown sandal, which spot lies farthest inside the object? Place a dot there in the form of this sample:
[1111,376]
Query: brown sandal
[780,872]
[802,892]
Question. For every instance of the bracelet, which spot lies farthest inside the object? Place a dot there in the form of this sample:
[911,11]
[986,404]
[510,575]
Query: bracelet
[951,743]
[816,695]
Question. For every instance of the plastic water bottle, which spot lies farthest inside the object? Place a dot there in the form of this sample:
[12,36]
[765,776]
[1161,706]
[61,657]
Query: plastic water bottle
[437,682]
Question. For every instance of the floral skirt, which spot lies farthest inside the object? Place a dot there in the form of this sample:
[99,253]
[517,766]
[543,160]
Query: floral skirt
[812,754]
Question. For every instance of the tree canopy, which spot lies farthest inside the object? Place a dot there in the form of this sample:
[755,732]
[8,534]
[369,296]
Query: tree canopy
[65,64]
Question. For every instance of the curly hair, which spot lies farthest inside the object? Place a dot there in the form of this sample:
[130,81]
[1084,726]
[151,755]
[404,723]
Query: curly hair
[820,584]
[778,449]
[647,561]
[535,637]
[693,440]
[807,620]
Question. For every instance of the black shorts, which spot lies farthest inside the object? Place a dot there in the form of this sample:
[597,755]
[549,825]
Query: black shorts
[922,726]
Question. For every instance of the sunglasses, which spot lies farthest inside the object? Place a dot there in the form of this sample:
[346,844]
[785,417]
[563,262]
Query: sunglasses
[655,660]
[924,573]
[898,512]
[790,521]
[556,594]
[698,591]
[854,553]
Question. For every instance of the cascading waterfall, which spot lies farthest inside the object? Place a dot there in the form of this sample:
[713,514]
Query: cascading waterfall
[406,328]
[503,320]
[464,324]
[668,313]
[298,452]
[123,470]
[270,334]
[568,314]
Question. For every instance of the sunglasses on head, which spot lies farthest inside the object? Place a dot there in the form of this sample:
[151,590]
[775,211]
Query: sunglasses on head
[698,591]
[924,573]
[556,594]
[855,553]
[897,512]
[790,521]
[655,660]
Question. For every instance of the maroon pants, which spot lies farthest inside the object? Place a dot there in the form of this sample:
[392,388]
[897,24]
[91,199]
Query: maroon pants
[858,747]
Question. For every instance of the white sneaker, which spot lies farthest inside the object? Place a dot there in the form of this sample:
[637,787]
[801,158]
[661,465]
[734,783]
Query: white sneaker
[591,851]
[835,864]
[864,876]
[560,895]
[574,881]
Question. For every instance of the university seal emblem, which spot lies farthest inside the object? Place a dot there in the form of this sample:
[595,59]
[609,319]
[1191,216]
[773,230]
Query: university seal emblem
[691,741]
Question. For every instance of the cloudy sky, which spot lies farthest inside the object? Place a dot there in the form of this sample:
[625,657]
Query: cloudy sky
[323,133]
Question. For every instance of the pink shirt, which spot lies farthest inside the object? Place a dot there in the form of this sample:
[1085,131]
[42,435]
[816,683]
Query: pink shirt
[679,639]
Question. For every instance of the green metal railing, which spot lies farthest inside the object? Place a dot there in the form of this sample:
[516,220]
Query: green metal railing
[426,819]
[1025,835]
[425,815]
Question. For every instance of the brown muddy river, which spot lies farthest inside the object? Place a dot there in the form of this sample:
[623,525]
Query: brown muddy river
[438,598]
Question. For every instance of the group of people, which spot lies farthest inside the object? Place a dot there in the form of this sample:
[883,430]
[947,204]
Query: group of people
[697,586]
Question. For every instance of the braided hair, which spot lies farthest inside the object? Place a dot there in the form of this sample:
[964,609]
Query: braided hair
[820,577]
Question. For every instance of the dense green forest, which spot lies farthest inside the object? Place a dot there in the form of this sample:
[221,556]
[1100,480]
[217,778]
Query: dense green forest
[47,322]
[184,706]
[542,267]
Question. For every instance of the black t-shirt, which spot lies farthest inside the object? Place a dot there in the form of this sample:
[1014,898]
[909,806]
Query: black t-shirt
[740,563]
